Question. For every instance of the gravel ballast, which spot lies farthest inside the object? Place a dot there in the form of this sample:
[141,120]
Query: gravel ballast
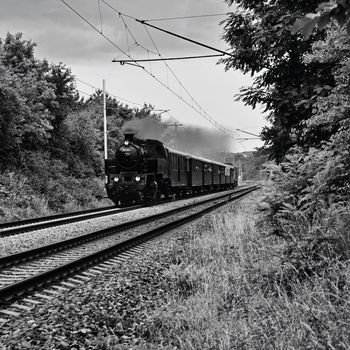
[106,312]
[29,240]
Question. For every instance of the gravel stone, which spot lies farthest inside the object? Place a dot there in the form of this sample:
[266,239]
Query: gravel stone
[110,311]
[29,240]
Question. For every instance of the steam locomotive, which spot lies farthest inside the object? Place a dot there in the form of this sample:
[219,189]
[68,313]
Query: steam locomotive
[147,170]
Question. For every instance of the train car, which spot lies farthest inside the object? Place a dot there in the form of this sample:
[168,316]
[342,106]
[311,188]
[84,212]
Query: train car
[146,170]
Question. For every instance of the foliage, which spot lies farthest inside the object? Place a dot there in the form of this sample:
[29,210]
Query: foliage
[18,199]
[338,10]
[308,205]
[331,111]
[50,135]
[259,34]
[25,122]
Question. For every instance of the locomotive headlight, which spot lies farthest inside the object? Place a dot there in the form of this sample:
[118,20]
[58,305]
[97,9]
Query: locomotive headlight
[126,142]
[137,178]
[116,179]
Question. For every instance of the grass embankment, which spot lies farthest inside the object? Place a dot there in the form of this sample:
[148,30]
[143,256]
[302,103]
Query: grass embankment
[24,197]
[231,290]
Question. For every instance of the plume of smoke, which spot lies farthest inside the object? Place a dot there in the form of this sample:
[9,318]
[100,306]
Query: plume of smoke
[204,142]
[200,141]
[146,128]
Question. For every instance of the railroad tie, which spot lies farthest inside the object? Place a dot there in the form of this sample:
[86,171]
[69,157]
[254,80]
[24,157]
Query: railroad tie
[43,296]
[10,313]
[61,288]
[31,301]
[71,285]
[23,307]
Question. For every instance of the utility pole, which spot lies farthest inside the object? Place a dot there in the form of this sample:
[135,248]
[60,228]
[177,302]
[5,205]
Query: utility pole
[104,118]
[240,170]
[176,124]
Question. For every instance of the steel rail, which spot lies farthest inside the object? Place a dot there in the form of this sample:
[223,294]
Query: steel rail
[50,217]
[25,256]
[77,265]
[28,225]
[59,219]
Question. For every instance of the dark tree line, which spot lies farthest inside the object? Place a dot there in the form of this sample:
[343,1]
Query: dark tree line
[51,139]
[284,83]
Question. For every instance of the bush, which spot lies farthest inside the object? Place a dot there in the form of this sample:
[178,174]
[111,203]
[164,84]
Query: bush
[18,200]
[307,206]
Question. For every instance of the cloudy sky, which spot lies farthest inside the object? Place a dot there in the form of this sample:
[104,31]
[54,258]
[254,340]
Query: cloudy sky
[62,36]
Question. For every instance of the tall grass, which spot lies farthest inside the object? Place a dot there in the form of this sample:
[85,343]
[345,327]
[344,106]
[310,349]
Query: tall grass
[23,196]
[232,289]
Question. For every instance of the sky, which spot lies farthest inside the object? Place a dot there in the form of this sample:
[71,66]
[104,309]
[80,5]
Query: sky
[181,87]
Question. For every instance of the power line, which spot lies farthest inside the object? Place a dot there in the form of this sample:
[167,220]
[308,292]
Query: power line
[99,10]
[93,27]
[121,98]
[84,93]
[165,59]
[249,133]
[168,32]
[183,37]
[116,97]
[184,17]
[199,111]
[119,13]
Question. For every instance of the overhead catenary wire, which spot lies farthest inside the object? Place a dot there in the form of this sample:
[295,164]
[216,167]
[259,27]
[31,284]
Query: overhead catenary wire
[165,59]
[184,17]
[199,111]
[136,43]
[99,10]
[121,98]
[164,30]
[248,133]
[85,93]
[116,97]
[183,37]
[132,63]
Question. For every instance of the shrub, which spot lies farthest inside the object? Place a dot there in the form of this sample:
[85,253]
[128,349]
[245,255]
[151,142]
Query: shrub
[307,206]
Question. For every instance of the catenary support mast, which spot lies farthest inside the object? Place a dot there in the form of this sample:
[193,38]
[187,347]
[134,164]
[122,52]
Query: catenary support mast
[104,118]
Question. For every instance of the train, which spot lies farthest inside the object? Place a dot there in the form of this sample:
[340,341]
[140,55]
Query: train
[145,171]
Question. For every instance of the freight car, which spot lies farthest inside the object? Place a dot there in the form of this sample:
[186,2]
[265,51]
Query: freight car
[147,170]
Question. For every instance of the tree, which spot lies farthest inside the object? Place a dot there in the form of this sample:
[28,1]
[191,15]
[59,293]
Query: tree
[338,10]
[261,44]
[66,98]
[84,138]
[25,122]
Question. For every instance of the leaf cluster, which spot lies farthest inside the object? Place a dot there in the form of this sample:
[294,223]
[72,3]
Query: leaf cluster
[338,10]
[259,35]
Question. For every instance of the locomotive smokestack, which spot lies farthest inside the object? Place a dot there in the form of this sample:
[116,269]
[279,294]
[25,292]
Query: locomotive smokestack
[129,135]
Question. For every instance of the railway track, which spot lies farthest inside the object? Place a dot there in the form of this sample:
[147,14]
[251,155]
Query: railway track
[32,269]
[17,227]
[22,226]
